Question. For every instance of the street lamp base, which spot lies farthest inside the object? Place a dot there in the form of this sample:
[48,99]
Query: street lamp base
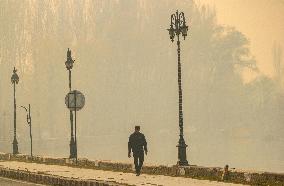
[73,148]
[182,161]
[15,146]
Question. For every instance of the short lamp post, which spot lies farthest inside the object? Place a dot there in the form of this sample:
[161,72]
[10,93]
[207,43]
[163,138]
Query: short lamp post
[29,122]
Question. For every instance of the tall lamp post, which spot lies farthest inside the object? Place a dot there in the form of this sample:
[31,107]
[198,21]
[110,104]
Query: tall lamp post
[69,65]
[29,121]
[15,80]
[178,27]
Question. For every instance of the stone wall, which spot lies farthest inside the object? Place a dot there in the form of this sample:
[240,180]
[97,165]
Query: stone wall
[47,179]
[198,172]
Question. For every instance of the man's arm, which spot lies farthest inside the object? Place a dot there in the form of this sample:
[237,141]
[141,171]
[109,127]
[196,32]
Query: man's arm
[145,144]
[129,147]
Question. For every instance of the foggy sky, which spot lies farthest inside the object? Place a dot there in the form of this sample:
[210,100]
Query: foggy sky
[260,20]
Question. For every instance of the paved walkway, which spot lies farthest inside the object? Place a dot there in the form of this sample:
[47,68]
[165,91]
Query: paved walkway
[119,177]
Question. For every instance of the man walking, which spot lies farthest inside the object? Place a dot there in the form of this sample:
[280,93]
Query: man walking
[137,143]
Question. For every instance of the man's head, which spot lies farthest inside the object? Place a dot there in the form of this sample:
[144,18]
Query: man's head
[137,128]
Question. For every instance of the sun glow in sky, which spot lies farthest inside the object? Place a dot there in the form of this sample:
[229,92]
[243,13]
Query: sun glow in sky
[261,21]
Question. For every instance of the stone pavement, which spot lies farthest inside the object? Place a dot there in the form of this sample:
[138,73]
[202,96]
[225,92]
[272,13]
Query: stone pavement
[118,177]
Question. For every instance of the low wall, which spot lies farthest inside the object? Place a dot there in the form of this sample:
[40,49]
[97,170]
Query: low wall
[208,173]
[51,179]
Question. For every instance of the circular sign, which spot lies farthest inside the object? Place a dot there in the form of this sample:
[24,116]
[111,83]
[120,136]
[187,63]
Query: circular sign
[74,100]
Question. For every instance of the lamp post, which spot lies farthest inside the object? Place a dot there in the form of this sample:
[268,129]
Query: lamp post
[29,121]
[178,27]
[15,80]
[69,65]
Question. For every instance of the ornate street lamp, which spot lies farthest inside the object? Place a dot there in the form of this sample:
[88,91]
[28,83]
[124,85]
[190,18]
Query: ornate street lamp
[15,80]
[69,65]
[178,27]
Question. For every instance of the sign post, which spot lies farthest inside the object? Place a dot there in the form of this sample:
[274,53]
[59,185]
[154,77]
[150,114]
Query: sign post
[75,101]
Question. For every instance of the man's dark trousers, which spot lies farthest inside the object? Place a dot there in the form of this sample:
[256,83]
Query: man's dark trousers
[138,161]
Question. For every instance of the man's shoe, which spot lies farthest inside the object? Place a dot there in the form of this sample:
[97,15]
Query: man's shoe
[138,173]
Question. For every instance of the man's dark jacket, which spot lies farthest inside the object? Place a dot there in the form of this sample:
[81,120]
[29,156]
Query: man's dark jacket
[136,143]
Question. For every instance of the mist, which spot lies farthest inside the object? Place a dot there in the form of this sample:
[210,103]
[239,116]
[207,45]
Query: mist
[126,66]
